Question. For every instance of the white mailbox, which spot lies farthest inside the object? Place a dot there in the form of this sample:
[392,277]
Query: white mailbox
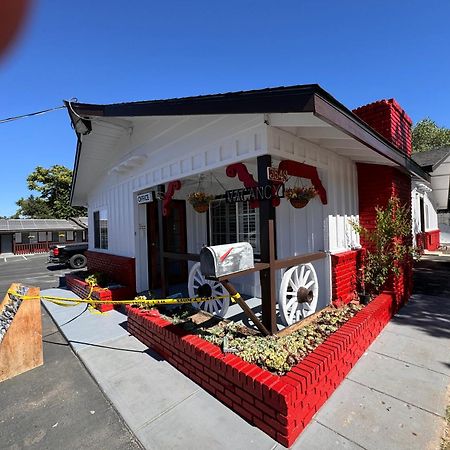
[220,260]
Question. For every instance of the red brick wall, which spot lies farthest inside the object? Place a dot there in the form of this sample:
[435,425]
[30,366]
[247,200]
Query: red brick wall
[376,185]
[279,406]
[344,267]
[390,120]
[120,268]
[430,240]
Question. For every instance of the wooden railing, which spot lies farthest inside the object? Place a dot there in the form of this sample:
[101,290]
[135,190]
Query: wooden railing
[23,249]
[38,247]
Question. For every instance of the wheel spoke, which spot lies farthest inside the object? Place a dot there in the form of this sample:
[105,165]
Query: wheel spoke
[290,303]
[198,278]
[305,277]
[302,272]
[292,314]
[310,283]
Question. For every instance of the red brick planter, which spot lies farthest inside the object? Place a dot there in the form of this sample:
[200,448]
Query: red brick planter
[82,289]
[280,406]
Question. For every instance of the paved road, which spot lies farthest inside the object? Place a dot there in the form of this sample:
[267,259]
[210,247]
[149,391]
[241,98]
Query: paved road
[57,405]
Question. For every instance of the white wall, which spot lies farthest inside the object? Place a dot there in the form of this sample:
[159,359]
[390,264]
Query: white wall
[317,227]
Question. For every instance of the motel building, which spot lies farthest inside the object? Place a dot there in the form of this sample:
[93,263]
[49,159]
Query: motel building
[139,166]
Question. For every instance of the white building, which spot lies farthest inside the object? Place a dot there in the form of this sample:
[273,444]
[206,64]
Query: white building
[130,153]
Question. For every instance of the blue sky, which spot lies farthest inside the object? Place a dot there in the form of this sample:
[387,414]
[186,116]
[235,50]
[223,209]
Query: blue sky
[111,51]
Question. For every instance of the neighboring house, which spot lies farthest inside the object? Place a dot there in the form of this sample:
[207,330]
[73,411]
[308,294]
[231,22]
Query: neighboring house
[129,154]
[430,201]
[23,236]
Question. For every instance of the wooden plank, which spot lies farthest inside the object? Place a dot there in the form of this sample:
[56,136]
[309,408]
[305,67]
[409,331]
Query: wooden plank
[296,260]
[182,256]
[247,310]
[267,250]
[302,323]
[258,267]
[161,231]
[21,347]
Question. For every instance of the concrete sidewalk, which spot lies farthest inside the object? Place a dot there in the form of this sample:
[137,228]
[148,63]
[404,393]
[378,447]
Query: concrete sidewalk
[394,398]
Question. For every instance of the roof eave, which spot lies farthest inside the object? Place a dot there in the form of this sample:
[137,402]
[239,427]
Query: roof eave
[337,115]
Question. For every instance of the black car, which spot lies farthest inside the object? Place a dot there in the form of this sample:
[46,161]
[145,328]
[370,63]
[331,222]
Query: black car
[70,254]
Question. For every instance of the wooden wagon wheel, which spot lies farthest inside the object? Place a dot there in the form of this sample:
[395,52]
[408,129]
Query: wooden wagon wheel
[199,286]
[299,292]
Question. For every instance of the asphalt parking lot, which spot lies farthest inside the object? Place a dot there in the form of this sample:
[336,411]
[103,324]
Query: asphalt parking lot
[57,405]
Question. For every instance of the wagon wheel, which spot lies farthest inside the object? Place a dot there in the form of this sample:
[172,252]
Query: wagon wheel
[299,292]
[199,286]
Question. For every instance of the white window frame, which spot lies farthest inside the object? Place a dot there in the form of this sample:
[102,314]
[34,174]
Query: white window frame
[239,217]
[102,243]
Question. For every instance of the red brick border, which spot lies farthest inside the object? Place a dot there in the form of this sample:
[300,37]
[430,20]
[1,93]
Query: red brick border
[82,289]
[279,406]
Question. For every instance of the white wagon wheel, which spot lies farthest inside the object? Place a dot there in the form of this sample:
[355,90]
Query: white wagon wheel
[299,292]
[199,286]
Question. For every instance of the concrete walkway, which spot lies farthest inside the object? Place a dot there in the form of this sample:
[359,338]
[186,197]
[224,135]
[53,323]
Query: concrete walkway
[394,398]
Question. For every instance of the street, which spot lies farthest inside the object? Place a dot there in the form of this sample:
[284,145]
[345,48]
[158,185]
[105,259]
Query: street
[30,270]
[58,405]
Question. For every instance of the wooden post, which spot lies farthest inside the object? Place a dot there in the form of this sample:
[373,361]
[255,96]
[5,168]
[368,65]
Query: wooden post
[21,347]
[267,250]
[162,259]
[247,310]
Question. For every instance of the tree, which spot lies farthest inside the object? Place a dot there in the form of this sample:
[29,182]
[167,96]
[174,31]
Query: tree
[53,185]
[32,208]
[427,135]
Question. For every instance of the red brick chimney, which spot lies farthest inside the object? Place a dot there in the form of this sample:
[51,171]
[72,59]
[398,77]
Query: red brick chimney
[390,120]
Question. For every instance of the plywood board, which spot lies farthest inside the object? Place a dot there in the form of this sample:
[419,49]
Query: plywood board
[21,347]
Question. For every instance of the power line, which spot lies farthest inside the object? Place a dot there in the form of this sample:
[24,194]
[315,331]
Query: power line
[36,113]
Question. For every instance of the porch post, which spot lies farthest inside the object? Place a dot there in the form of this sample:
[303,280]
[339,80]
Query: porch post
[267,250]
[162,260]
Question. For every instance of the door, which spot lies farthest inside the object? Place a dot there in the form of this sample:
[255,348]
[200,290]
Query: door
[6,243]
[422,215]
[174,241]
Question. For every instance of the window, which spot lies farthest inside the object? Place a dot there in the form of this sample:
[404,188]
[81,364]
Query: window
[18,238]
[42,236]
[69,235]
[101,229]
[234,223]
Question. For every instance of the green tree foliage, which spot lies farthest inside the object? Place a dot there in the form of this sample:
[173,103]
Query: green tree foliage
[426,135]
[33,208]
[53,185]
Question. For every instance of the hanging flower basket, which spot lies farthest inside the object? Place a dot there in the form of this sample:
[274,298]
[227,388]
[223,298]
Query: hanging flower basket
[298,202]
[200,201]
[299,197]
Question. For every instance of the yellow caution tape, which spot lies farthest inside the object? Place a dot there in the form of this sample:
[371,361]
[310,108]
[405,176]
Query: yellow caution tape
[67,302]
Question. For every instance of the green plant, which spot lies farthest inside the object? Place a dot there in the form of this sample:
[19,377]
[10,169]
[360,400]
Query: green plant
[97,279]
[199,197]
[388,245]
[300,193]
[278,354]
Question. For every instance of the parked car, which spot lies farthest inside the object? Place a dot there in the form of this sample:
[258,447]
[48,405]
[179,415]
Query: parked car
[69,254]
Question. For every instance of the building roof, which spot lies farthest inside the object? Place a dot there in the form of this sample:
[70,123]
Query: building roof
[431,159]
[310,98]
[19,225]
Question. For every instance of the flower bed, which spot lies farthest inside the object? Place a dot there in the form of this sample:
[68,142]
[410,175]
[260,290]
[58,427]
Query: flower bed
[82,289]
[281,406]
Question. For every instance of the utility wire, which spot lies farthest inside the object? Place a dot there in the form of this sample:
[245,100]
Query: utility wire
[36,113]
